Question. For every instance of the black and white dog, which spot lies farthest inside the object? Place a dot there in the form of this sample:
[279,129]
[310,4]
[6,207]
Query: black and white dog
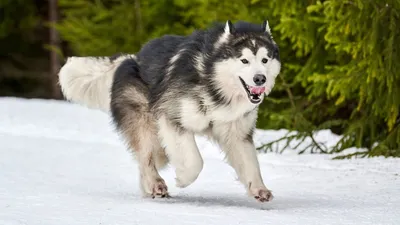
[208,83]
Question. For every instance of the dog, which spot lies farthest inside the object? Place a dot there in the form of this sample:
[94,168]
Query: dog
[210,83]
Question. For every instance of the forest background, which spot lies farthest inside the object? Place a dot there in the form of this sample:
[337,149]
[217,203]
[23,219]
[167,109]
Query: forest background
[340,59]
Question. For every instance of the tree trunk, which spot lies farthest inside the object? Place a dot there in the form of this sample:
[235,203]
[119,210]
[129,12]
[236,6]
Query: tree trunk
[138,15]
[54,42]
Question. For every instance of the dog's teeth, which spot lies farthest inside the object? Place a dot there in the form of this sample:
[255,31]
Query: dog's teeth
[255,96]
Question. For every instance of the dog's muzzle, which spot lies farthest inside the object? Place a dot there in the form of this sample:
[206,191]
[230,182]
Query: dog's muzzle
[253,92]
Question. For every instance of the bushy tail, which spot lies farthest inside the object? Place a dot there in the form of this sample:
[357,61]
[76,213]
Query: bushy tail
[88,80]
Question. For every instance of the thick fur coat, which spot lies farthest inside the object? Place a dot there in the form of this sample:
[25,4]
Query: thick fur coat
[208,83]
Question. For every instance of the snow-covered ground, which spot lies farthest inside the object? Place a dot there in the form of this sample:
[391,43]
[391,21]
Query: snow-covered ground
[63,164]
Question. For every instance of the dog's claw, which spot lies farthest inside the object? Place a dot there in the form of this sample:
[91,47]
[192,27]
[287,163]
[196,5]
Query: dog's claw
[165,195]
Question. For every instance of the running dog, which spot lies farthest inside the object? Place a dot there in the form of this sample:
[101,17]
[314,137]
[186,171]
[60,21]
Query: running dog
[210,82]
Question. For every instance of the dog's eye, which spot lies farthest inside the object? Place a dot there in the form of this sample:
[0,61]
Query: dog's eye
[264,60]
[244,61]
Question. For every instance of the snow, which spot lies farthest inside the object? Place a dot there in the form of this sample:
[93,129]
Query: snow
[62,163]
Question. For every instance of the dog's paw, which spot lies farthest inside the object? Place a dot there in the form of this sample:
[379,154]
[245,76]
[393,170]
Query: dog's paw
[160,189]
[186,177]
[264,195]
[261,194]
[155,188]
[182,180]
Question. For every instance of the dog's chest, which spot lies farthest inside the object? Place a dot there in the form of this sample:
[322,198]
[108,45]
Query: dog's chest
[231,112]
[198,118]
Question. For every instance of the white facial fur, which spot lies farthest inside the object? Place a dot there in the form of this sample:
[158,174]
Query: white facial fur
[255,65]
[229,71]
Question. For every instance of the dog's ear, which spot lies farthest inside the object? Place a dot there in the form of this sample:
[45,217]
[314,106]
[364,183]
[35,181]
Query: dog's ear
[266,27]
[229,27]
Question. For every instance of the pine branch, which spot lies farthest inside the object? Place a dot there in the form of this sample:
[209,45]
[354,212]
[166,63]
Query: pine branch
[316,144]
[289,92]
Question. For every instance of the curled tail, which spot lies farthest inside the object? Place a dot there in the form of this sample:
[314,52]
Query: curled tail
[88,80]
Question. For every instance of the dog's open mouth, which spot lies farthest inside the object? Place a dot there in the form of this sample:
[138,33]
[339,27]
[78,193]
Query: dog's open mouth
[253,92]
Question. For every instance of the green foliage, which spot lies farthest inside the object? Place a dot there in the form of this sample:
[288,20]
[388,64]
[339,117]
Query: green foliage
[10,23]
[109,26]
[340,58]
[344,76]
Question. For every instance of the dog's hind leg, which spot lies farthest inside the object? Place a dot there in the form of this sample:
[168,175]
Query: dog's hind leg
[140,132]
[182,151]
[129,107]
[152,184]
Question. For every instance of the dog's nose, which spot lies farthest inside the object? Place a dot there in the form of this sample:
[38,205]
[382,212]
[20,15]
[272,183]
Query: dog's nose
[259,79]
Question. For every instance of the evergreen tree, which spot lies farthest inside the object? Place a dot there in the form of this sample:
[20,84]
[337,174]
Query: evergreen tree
[23,53]
[348,76]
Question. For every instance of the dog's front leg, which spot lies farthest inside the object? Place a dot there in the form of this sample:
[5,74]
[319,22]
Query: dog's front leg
[181,149]
[242,156]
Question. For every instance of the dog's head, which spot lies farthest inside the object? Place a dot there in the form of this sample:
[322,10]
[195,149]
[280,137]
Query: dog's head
[247,60]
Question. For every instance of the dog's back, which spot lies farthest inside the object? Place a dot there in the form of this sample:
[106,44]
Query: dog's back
[155,55]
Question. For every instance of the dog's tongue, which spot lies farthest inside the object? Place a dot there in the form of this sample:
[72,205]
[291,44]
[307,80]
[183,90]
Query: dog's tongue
[256,90]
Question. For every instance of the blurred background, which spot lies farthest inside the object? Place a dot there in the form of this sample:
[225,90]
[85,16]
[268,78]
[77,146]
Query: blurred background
[341,59]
